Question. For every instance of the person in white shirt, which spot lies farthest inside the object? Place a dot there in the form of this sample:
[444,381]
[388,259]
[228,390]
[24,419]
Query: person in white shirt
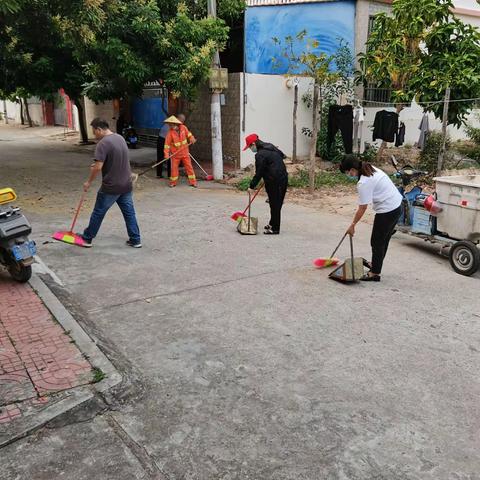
[374,188]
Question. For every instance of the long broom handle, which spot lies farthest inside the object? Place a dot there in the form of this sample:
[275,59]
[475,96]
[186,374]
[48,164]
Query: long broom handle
[82,199]
[156,164]
[351,257]
[338,246]
[201,168]
[252,199]
[249,211]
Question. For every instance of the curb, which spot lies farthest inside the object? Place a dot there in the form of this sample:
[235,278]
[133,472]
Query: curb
[83,341]
[73,398]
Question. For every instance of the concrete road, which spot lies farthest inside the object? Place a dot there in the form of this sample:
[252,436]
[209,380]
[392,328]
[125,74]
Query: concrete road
[242,361]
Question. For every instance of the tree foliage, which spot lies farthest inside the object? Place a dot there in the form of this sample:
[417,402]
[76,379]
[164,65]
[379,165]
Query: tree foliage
[106,48]
[419,51]
[332,78]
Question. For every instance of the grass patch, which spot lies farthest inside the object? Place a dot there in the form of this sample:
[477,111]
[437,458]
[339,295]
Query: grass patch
[322,179]
[300,180]
[98,375]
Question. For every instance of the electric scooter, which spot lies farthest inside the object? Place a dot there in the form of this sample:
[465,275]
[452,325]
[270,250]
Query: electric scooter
[16,249]
[130,136]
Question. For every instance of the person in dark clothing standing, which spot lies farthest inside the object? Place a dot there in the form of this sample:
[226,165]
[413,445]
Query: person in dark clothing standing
[270,167]
[162,135]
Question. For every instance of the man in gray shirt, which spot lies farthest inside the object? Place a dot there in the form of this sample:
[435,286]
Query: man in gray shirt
[111,158]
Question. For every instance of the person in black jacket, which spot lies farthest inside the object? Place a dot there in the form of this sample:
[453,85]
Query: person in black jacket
[269,165]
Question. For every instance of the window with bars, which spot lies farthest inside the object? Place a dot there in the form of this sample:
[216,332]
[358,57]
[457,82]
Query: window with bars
[373,92]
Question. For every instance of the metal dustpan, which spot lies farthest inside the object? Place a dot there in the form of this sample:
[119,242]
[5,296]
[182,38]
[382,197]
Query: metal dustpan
[248,225]
[351,270]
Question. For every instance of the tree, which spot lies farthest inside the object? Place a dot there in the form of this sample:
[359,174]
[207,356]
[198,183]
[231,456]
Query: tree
[331,75]
[419,52]
[106,49]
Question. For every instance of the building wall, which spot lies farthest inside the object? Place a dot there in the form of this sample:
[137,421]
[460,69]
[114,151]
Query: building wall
[103,110]
[34,107]
[199,123]
[326,22]
[269,114]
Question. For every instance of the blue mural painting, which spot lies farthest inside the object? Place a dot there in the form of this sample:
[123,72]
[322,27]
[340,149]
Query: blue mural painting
[325,22]
[148,112]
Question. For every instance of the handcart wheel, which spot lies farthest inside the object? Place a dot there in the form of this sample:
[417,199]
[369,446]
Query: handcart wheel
[464,258]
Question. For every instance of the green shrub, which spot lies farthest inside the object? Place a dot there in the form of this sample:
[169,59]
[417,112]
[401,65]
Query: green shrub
[244,183]
[469,150]
[473,134]
[429,157]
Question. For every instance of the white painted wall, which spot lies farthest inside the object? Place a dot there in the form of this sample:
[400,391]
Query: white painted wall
[12,113]
[34,107]
[471,4]
[269,114]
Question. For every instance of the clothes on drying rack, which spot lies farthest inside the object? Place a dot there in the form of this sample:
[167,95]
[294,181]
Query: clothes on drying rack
[358,119]
[340,118]
[424,128]
[400,136]
[385,126]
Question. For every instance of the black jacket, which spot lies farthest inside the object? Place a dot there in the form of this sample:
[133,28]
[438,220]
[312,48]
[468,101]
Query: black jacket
[385,126]
[269,165]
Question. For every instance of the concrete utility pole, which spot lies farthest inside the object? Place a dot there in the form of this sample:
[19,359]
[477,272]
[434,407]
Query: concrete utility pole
[216,114]
[5,111]
[441,156]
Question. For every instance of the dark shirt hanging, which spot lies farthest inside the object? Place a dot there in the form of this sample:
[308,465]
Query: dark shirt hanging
[340,117]
[385,126]
[400,137]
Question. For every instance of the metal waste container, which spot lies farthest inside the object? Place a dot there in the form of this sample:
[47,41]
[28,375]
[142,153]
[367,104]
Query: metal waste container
[459,197]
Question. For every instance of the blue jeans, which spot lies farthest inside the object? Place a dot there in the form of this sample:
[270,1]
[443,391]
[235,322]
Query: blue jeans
[102,205]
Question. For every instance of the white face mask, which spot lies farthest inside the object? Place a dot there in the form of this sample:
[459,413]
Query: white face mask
[253,148]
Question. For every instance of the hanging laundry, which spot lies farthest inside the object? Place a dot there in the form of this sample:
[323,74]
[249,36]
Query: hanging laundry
[400,136]
[424,128]
[385,126]
[358,119]
[340,118]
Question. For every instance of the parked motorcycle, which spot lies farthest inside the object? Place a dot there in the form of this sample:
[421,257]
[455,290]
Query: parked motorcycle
[16,249]
[130,136]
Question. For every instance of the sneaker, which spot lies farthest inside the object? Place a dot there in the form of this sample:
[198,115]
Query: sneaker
[172,186]
[133,245]
[194,186]
[87,242]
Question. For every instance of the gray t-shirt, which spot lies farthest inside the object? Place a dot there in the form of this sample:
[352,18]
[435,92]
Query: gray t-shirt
[112,150]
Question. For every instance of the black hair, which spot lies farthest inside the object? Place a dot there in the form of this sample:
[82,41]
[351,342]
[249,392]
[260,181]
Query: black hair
[99,123]
[352,161]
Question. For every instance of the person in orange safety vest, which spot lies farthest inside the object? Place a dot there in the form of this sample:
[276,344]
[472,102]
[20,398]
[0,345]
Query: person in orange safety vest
[176,146]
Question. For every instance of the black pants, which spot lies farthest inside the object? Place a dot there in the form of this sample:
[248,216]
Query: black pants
[276,191]
[340,118]
[160,145]
[383,228]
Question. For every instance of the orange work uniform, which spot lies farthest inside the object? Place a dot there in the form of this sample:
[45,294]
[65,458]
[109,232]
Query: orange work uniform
[176,146]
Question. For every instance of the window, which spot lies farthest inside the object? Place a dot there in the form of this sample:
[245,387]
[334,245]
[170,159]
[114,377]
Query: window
[373,91]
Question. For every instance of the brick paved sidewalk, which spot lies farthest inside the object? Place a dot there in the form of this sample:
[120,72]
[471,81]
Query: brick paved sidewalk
[37,357]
